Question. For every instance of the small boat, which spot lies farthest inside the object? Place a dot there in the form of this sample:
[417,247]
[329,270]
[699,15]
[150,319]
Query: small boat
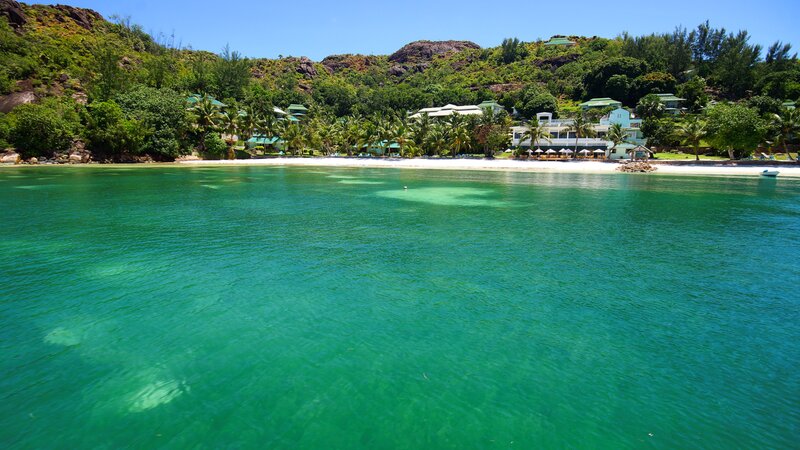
[770,173]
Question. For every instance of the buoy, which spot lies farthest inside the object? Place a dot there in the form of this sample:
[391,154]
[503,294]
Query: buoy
[405,187]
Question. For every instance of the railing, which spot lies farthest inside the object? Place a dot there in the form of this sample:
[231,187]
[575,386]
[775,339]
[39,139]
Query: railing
[564,142]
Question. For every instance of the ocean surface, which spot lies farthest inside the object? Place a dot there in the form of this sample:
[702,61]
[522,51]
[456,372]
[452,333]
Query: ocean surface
[268,307]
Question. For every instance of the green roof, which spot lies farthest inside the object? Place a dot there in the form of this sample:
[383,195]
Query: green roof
[263,140]
[670,98]
[789,104]
[559,41]
[489,104]
[296,107]
[600,103]
[194,98]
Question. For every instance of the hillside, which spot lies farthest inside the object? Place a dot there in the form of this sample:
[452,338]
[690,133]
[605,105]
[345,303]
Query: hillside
[73,54]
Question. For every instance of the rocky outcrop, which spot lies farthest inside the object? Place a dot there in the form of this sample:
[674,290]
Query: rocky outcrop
[78,154]
[83,17]
[14,99]
[306,68]
[424,51]
[505,87]
[399,70]
[9,157]
[358,63]
[636,167]
[13,12]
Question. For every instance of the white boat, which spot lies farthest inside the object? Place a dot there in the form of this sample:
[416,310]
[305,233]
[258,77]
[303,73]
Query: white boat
[769,173]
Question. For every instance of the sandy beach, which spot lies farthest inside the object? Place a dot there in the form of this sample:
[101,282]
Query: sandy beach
[786,170]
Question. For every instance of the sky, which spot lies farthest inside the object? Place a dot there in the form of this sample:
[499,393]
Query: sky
[316,28]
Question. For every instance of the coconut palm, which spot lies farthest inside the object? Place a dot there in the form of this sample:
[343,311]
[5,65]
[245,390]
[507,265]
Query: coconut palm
[691,133]
[582,129]
[617,135]
[401,133]
[536,132]
[457,133]
[786,126]
[420,128]
[248,121]
[206,118]
[229,124]
[436,139]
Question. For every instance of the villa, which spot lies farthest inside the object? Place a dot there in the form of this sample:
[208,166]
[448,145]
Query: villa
[466,110]
[603,102]
[563,139]
[672,103]
[559,40]
[297,110]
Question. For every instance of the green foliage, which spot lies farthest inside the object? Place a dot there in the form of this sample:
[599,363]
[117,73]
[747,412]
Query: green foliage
[694,91]
[764,105]
[650,107]
[5,131]
[735,128]
[512,50]
[661,131]
[215,146]
[164,112]
[109,132]
[41,129]
[231,74]
[596,79]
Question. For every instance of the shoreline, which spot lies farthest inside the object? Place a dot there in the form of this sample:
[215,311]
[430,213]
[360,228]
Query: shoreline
[706,168]
[509,165]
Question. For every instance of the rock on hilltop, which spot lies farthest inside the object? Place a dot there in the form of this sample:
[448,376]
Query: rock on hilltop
[424,51]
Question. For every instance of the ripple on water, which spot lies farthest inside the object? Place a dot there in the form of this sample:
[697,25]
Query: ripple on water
[446,196]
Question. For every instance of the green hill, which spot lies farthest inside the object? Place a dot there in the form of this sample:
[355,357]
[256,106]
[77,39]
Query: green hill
[76,58]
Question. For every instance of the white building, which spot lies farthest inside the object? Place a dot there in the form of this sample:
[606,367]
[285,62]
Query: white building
[562,138]
[466,110]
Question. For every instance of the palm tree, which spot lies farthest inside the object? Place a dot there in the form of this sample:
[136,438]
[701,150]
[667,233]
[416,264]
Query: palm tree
[457,133]
[483,130]
[229,123]
[420,128]
[266,125]
[401,133]
[692,132]
[582,129]
[436,138]
[248,120]
[206,118]
[291,135]
[536,132]
[786,125]
[617,135]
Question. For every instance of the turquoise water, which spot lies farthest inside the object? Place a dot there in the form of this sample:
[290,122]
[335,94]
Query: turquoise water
[330,308]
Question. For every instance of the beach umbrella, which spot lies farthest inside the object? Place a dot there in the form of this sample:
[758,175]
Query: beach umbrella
[584,152]
[550,152]
[538,150]
[599,151]
[529,151]
[563,150]
[568,151]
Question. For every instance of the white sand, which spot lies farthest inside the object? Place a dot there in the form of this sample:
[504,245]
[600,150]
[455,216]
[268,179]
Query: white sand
[500,164]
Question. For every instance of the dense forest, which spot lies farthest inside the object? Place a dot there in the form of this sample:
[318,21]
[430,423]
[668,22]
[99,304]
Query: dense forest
[67,73]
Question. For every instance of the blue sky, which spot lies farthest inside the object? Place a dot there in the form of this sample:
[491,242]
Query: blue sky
[319,28]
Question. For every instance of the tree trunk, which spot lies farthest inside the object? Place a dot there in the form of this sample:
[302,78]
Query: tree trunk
[786,150]
[696,153]
[730,154]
